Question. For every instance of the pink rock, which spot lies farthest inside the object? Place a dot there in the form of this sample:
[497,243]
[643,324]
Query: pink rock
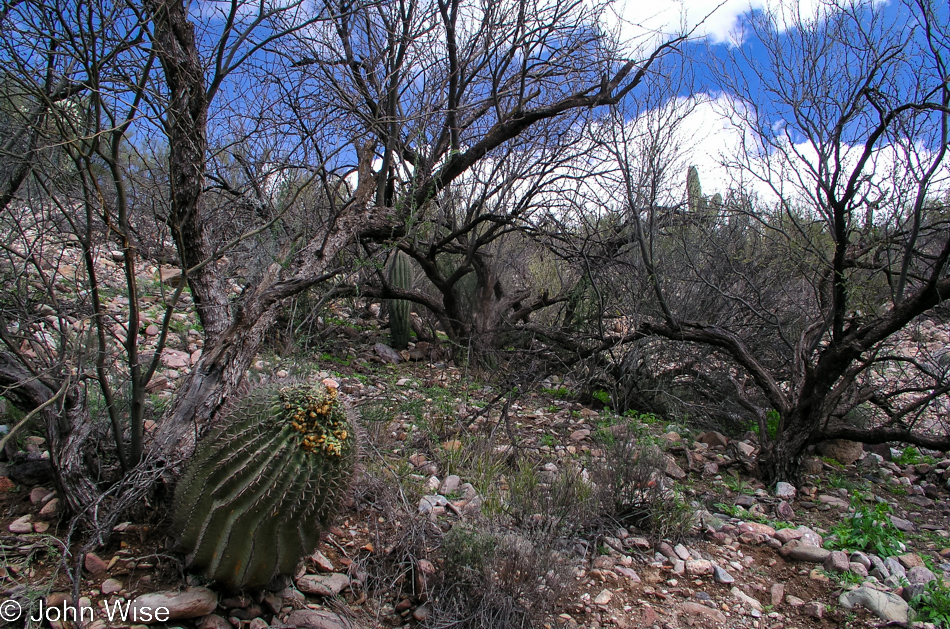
[21,525]
[94,564]
[756,529]
[173,359]
[189,603]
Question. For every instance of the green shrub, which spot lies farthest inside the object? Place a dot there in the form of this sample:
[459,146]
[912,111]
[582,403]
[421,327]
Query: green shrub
[912,456]
[869,529]
[260,490]
[933,604]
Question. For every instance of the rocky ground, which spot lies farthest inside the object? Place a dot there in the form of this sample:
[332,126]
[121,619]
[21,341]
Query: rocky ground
[443,450]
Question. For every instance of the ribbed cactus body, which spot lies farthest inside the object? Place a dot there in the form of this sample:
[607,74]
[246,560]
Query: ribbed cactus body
[260,490]
[400,276]
[694,191]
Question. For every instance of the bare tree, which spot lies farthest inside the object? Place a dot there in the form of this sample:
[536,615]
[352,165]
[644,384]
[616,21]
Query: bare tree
[809,301]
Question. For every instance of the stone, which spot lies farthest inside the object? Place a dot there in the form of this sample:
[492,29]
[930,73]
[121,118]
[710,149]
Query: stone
[903,525]
[387,354]
[910,560]
[787,535]
[603,598]
[682,552]
[745,500]
[756,529]
[887,606]
[673,470]
[794,601]
[778,593]
[744,448]
[713,439]
[94,564]
[323,585]
[861,558]
[836,562]
[257,623]
[814,609]
[701,611]
[316,619]
[188,603]
[174,359]
[110,586]
[878,567]
[579,435]
[627,573]
[321,562]
[50,509]
[895,568]
[811,466]
[428,503]
[169,276]
[841,450]
[213,621]
[858,569]
[21,525]
[920,575]
[450,485]
[38,495]
[721,576]
[833,501]
[785,491]
[699,567]
[813,554]
[746,599]
[784,511]
[809,537]
[421,613]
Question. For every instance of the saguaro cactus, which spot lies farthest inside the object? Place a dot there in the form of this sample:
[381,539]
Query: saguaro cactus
[694,191]
[259,491]
[400,276]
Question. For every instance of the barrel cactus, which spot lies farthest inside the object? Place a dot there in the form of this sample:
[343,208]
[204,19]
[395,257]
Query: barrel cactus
[400,276]
[260,490]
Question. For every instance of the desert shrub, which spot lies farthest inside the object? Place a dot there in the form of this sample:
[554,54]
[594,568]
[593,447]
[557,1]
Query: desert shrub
[632,487]
[549,503]
[495,579]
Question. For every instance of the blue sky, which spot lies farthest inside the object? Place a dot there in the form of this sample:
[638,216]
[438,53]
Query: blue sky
[716,126]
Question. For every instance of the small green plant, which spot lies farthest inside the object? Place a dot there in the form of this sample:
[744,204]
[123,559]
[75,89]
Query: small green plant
[548,440]
[772,419]
[558,392]
[601,396]
[912,456]
[933,604]
[644,418]
[738,486]
[869,528]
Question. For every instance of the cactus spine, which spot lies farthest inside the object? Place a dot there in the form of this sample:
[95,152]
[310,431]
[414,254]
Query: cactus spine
[259,491]
[400,276]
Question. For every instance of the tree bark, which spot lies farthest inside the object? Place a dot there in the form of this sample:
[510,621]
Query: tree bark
[188,141]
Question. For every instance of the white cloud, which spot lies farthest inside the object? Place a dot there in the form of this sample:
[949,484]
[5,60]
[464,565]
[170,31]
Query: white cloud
[640,23]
